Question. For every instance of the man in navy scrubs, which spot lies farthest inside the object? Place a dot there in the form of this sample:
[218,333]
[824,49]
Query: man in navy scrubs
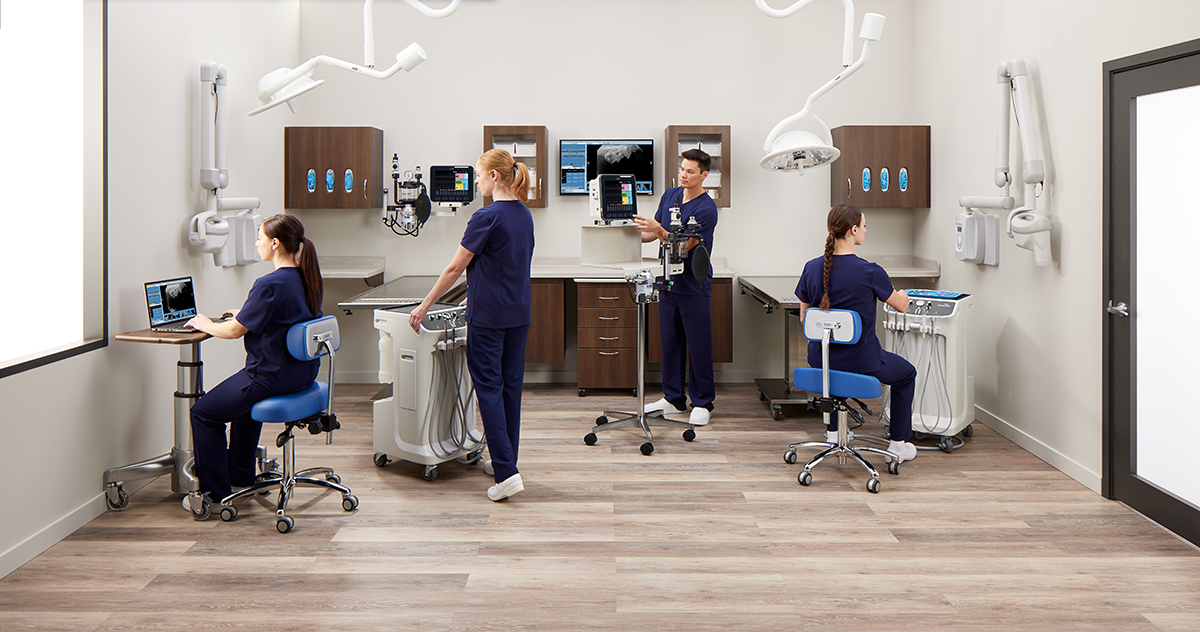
[685,309]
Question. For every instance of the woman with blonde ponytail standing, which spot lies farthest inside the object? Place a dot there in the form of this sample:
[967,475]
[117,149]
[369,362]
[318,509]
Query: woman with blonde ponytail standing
[842,280]
[496,251]
[290,294]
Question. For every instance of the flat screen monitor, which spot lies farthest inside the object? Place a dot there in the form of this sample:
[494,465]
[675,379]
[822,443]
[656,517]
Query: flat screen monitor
[580,161]
[617,199]
[452,184]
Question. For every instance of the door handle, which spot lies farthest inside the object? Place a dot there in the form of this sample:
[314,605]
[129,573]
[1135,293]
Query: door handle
[1120,309]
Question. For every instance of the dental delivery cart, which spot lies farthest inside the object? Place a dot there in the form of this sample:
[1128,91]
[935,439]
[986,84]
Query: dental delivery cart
[430,416]
[931,335]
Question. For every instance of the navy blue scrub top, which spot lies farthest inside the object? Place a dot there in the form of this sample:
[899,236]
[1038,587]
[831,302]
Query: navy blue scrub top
[854,284]
[276,302]
[500,236]
[704,209]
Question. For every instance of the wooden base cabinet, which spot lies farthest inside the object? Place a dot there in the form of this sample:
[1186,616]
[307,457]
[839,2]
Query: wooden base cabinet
[722,324]
[546,342]
[607,319]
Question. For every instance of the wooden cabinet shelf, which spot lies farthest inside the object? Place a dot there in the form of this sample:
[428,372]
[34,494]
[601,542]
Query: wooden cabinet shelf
[713,140]
[527,144]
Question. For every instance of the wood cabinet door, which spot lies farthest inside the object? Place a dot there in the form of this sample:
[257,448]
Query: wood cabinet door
[722,325]
[546,342]
[346,165]
[869,149]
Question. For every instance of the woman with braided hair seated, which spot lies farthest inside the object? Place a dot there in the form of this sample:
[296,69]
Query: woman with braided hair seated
[842,280]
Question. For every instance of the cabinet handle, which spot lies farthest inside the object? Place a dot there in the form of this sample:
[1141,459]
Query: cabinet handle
[610,339]
[610,354]
[609,317]
[849,188]
[610,298]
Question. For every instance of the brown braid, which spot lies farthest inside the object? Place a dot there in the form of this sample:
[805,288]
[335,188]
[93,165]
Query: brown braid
[841,219]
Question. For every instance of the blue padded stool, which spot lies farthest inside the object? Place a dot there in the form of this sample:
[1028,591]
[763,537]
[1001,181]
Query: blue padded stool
[836,326]
[311,408]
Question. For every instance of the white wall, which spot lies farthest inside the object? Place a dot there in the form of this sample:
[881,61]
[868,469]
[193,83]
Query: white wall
[66,423]
[619,68]
[1035,349]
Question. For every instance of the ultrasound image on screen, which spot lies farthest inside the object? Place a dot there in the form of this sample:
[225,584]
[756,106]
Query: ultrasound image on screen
[177,297]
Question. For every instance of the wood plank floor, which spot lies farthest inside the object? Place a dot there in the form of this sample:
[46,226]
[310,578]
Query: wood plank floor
[710,535]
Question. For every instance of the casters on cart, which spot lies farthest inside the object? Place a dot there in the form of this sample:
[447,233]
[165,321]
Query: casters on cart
[430,473]
[381,459]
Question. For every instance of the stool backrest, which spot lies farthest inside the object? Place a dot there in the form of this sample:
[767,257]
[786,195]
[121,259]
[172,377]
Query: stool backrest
[845,326]
[304,339]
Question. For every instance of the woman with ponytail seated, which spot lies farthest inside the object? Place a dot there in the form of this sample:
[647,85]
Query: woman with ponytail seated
[289,295]
[842,280]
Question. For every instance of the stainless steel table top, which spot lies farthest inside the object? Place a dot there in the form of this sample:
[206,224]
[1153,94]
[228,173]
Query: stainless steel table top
[403,291]
[774,292]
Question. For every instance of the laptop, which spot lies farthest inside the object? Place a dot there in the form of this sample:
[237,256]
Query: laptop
[171,303]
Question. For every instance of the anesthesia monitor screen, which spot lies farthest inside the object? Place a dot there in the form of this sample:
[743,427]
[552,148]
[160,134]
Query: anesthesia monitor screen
[452,184]
[617,198]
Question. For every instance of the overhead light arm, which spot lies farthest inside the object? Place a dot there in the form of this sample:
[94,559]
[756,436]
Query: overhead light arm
[369,23]
[848,40]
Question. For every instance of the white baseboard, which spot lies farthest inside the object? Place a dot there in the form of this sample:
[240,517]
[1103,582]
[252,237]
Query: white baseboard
[1057,459]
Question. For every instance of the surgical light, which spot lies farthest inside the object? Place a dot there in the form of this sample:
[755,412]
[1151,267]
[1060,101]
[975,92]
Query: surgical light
[798,150]
[284,84]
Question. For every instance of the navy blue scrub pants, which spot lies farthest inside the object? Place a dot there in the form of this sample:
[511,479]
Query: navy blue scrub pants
[901,375]
[685,324]
[496,360]
[219,464]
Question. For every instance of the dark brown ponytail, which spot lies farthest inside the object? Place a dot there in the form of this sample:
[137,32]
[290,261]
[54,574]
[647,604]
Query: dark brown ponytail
[841,219]
[290,233]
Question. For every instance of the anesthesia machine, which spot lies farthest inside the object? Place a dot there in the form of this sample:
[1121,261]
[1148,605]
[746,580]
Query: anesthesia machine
[429,418]
[453,187]
[932,336]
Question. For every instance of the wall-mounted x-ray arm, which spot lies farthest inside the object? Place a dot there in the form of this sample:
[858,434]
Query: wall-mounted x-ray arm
[283,85]
[799,150]
[1029,228]
[229,239]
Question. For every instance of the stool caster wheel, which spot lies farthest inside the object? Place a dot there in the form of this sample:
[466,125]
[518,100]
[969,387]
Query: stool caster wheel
[349,503]
[789,457]
[229,514]
[893,467]
[805,478]
[601,420]
[647,448]
[589,438]
[381,459]
[116,498]
[285,524]
[199,505]
[430,473]
[689,435]
[582,392]
[968,431]
[334,478]
[873,485]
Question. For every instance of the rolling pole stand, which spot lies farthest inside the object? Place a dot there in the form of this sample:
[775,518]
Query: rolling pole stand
[612,420]
[189,387]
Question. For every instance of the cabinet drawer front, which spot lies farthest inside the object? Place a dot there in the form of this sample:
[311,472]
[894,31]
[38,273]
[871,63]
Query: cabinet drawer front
[608,338]
[607,368]
[604,295]
[607,318]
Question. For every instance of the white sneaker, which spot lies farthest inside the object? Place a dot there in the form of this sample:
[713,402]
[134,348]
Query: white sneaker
[903,449]
[662,406]
[488,468]
[699,417]
[505,488]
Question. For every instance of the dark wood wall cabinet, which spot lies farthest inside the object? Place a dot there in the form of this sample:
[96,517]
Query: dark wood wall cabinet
[527,144]
[546,342]
[333,167]
[713,140]
[722,324]
[881,166]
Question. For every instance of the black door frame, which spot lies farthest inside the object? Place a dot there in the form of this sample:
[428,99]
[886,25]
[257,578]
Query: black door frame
[1168,68]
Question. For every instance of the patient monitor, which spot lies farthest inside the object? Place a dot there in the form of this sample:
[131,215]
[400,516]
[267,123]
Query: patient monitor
[613,199]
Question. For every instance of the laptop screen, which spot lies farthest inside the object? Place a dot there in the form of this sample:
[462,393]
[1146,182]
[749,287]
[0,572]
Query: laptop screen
[170,300]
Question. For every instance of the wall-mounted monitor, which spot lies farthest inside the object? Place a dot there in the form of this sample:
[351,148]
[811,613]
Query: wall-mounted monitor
[580,161]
